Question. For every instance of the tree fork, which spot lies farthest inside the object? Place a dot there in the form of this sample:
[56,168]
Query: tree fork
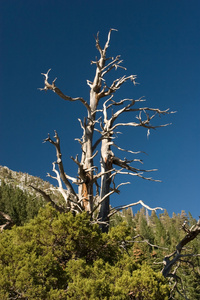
[106,126]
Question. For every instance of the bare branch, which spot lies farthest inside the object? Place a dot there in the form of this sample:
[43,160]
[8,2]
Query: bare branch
[114,64]
[139,174]
[108,40]
[97,143]
[191,235]
[91,157]
[63,176]
[73,179]
[52,86]
[103,52]
[125,164]
[99,222]
[123,100]
[65,193]
[145,241]
[100,64]
[142,123]
[129,151]
[124,109]
[116,85]
[103,198]
[102,173]
[118,208]
[48,199]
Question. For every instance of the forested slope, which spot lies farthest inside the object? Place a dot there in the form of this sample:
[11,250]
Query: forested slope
[48,255]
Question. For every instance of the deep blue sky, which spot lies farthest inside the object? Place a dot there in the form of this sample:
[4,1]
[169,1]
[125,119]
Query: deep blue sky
[158,40]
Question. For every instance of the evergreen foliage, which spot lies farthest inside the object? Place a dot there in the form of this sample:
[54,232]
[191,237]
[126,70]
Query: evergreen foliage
[18,204]
[59,256]
[62,256]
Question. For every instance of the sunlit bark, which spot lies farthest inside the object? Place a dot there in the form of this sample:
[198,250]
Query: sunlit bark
[91,190]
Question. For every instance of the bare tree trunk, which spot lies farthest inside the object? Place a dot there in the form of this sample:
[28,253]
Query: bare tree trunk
[106,167]
[105,126]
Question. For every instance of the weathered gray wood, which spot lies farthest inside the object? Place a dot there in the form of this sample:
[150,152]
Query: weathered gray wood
[103,112]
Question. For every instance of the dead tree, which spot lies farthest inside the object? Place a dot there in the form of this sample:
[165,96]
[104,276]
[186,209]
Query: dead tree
[177,255]
[173,261]
[91,190]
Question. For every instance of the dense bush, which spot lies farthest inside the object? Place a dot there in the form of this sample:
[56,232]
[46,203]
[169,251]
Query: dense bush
[59,256]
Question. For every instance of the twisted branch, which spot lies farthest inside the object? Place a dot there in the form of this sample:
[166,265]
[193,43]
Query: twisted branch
[52,86]
[176,255]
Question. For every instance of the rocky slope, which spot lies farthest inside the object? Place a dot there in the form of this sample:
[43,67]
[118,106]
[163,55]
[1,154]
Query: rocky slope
[22,180]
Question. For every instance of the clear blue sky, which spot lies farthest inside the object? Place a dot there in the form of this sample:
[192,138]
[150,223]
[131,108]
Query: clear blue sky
[158,40]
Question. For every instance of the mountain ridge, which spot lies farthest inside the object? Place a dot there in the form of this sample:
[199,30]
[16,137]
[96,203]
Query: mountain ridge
[22,180]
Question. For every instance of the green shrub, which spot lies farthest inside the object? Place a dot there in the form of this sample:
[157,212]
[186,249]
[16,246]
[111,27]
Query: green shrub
[59,256]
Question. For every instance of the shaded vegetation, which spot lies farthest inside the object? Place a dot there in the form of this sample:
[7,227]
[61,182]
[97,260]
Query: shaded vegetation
[18,204]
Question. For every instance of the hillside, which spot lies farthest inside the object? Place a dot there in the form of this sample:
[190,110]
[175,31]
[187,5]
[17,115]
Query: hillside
[70,247]
[19,202]
[22,180]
